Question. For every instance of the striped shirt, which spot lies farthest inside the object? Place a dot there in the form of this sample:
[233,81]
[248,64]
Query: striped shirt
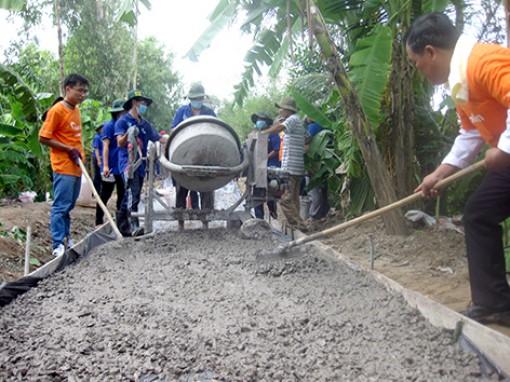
[293,157]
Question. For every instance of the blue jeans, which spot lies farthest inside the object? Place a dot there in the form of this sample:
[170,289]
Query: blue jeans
[66,189]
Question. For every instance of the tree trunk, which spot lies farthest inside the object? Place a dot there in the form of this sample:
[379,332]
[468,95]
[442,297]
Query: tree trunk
[400,136]
[377,172]
[60,47]
[135,49]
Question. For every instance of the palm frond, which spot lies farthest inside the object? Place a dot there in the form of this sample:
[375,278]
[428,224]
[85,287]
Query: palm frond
[220,18]
[21,91]
[370,69]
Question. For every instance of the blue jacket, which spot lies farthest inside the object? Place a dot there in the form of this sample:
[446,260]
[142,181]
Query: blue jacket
[273,144]
[113,157]
[185,112]
[147,133]
[97,143]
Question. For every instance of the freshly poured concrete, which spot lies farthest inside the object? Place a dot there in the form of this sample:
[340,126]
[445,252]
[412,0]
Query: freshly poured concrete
[195,306]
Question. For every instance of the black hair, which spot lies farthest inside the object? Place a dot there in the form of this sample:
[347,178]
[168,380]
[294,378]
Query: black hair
[434,29]
[75,79]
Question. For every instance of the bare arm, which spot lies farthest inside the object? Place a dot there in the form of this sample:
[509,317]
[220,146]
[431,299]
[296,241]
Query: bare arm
[55,144]
[276,128]
[272,154]
[98,156]
[122,140]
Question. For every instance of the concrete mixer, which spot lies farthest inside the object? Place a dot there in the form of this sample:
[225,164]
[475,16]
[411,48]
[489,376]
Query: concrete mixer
[204,154]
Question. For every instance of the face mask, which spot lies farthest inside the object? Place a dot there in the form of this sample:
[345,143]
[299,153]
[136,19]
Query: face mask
[261,124]
[196,104]
[142,109]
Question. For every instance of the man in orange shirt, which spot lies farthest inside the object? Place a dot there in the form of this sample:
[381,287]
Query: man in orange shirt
[478,76]
[62,132]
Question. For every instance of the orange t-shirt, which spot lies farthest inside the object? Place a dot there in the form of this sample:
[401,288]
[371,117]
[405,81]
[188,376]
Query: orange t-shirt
[488,74]
[63,125]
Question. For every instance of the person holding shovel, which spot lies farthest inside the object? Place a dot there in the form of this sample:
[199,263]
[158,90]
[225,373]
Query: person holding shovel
[478,76]
[132,129]
[62,132]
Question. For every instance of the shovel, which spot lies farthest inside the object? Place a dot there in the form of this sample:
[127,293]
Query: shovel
[99,201]
[283,251]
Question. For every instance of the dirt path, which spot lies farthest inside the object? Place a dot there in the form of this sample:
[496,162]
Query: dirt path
[196,307]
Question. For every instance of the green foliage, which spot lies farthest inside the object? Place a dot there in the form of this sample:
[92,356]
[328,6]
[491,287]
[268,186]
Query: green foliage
[20,152]
[16,233]
[93,113]
[18,93]
[99,49]
[158,79]
[306,61]
[34,261]
[128,13]
[322,161]
[12,5]
[36,67]
[370,71]
[239,118]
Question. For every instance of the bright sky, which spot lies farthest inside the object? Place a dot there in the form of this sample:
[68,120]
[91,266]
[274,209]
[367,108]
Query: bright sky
[177,24]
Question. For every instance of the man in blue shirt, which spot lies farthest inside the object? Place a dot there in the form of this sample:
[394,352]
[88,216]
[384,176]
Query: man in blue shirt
[195,107]
[133,131]
[111,175]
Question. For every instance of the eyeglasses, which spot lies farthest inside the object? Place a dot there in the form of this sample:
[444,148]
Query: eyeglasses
[83,91]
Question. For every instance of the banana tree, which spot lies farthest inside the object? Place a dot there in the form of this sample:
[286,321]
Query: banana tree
[23,161]
[357,118]
[269,45]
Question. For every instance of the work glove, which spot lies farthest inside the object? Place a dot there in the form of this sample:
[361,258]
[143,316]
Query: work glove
[132,134]
[75,156]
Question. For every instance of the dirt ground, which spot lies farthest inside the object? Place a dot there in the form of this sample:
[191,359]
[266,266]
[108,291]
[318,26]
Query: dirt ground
[431,261]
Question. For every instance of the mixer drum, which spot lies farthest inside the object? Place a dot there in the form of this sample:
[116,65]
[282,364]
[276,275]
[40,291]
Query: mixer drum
[207,142]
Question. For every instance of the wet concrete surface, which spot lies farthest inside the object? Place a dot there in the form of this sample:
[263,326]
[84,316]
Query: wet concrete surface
[196,306]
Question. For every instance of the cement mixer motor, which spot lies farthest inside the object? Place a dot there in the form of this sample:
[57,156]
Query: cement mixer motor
[277,181]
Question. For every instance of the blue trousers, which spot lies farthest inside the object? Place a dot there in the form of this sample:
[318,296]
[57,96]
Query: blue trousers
[66,189]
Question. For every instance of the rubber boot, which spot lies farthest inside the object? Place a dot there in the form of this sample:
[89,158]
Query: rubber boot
[123,223]
[135,226]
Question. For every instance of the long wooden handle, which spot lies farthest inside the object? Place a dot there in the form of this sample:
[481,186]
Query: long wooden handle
[99,201]
[381,211]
